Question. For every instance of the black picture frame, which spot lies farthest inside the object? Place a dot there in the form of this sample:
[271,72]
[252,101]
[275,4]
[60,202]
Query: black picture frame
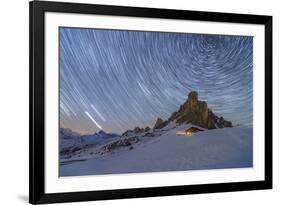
[37,9]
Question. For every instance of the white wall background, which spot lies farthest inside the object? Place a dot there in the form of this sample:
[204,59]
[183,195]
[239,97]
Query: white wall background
[14,100]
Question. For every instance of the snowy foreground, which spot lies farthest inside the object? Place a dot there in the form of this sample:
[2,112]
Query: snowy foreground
[163,150]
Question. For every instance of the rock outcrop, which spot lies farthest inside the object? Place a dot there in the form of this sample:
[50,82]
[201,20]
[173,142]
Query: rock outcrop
[197,112]
[160,124]
[136,130]
[146,129]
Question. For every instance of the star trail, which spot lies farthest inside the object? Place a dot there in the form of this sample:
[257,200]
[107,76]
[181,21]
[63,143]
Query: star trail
[117,80]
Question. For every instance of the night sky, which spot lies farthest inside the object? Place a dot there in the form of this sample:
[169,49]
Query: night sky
[117,80]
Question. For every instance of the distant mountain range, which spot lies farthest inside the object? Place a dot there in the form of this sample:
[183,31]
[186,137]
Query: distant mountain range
[71,141]
[66,133]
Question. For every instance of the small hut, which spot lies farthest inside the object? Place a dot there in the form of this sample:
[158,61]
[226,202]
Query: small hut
[189,131]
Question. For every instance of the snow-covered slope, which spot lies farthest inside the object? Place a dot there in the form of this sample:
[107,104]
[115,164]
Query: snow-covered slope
[163,150]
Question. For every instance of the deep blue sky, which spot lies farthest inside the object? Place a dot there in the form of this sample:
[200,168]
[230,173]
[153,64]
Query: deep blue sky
[117,80]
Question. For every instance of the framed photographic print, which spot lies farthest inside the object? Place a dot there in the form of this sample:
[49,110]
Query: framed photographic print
[140,102]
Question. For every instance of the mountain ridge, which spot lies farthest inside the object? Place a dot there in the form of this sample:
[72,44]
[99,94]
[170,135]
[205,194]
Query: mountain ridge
[195,112]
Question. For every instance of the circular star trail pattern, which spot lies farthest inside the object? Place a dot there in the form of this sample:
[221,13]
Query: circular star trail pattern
[117,80]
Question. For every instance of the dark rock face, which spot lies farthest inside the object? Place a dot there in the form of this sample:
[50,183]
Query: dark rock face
[149,135]
[197,112]
[146,129]
[118,144]
[160,123]
[138,130]
[128,132]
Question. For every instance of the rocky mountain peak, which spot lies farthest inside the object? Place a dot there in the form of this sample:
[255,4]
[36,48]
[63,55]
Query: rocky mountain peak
[197,112]
[193,96]
[160,123]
